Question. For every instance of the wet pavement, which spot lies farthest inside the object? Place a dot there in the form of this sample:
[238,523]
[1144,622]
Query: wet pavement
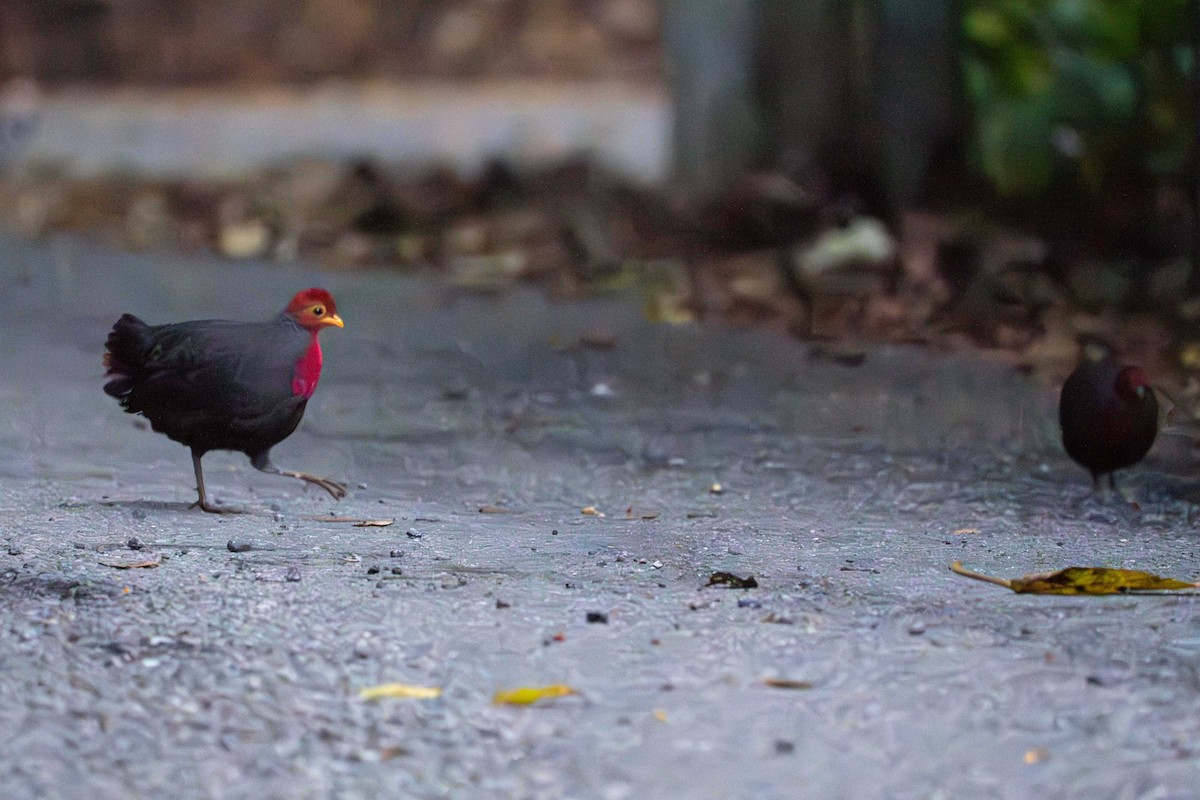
[484,428]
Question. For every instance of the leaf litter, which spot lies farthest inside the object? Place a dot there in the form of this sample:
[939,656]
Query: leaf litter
[731,581]
[400,691]
[528,695]
[1082,580]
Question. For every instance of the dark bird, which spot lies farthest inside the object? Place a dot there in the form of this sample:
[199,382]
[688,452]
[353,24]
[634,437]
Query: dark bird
[218,385]
[1108,415]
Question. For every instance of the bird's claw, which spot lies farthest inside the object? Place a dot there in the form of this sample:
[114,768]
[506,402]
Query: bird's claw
[335,488]
[204,505]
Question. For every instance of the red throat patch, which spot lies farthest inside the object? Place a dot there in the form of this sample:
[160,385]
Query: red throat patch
[308,370]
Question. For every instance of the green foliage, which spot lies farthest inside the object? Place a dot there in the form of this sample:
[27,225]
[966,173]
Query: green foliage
[1077,89]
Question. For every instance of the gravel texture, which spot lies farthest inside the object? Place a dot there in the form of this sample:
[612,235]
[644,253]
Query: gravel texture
[483,428]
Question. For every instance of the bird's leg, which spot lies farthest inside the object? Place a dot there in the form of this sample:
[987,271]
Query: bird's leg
[202,501]
[262,463]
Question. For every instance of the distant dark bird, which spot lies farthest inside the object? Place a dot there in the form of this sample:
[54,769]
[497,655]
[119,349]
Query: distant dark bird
[1108,415]
[217,385]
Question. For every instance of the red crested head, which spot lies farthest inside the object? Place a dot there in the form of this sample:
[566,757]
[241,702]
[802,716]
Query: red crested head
[1132,384]
[313,309]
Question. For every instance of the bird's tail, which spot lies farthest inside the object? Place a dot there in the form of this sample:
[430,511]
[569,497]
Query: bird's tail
[127,345]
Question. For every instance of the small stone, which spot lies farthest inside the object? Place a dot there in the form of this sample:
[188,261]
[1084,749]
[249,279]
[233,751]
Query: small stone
[397,571]
[396,554]
[657,564]
[784,748]
[134,543]
[503,604]
[372,570]
[597,618]
[917,627]
[139,513]
[15,550]
[293,574]
[413,533]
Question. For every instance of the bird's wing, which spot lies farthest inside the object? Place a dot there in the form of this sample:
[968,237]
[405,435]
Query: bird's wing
[220,369]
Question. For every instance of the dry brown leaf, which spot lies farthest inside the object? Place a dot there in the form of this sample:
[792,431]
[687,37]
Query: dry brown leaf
[732,581]
[130,565]
[787,683]
[635,513]
[374,523]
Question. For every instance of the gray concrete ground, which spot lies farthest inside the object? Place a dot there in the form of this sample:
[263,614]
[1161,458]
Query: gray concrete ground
[847,493]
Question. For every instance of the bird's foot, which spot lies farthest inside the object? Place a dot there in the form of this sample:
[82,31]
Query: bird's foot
[204,505]
[335,488]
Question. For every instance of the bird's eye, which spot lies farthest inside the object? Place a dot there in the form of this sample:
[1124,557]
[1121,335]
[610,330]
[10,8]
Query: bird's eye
[318,311]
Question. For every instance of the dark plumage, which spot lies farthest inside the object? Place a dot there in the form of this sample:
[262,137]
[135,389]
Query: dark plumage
[1108,415]
[217,385]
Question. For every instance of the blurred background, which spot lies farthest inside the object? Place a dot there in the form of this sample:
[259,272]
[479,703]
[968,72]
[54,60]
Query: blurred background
[1010,175]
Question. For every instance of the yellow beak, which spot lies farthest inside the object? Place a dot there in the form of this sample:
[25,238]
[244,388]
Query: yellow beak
[333,319]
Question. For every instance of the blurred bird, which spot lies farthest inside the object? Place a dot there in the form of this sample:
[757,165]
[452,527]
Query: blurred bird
[1108,415]
[217,385]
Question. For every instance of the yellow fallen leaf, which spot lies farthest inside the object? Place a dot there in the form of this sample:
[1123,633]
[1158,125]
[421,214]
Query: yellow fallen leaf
[526,695]
[375,523]
[787,683]
[401,691]
[965,531]
[1036,755]
[660,715]
[1082,580]
[591,511]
